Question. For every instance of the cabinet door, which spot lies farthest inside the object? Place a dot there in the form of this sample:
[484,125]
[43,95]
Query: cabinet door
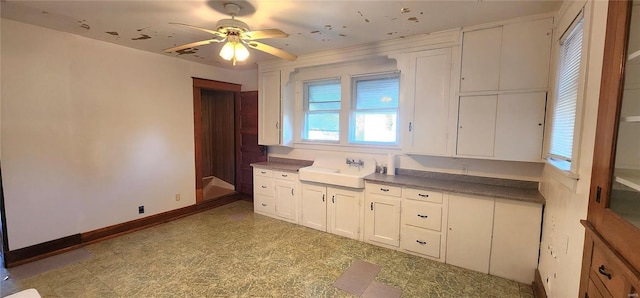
[269,108]
[469,233]
[431,103]
[516,240]
[314,206]
[526,51]
[285,199]
[344,212]
[382,219]
[520,126]
[481,60]
[476,125]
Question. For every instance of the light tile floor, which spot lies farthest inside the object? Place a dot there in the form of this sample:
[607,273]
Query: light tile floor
[232,252]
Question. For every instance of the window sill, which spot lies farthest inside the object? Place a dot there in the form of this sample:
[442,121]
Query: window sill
[565,177]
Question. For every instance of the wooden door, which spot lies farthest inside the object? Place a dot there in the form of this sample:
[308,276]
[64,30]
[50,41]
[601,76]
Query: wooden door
[218,145]
[247,139]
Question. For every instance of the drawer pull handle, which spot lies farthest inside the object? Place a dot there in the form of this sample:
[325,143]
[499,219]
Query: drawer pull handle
[333,199]
[285,175]
[263,172]
[264,205]
[371,206]
[602,271]
[263,186]
[424,196]
[384,189]
[323,197]
[292,192]
[421,242]
[423,216]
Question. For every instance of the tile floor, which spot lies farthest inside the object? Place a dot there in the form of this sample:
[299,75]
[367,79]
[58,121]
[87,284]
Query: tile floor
[232,252]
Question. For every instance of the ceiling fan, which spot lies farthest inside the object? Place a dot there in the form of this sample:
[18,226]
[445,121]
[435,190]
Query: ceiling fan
[236,34]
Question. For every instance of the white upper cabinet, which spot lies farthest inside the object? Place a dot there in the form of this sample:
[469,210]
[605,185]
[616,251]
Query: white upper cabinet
[520,126]
[481,51]
[269,108]
[514,56]
[526,50]
[477,125]
[428,129]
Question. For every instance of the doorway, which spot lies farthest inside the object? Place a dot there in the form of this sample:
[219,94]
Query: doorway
[214,111]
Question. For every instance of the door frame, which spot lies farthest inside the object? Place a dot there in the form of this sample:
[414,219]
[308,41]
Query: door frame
[200,84]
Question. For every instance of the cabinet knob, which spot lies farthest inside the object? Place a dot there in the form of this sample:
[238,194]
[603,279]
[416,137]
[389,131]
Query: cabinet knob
[462,78]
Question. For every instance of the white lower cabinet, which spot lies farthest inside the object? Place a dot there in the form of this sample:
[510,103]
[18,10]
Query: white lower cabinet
[275,194]
[516,238]
[496,236]
[335,210]
[469,234]
[423,220]
[382,215]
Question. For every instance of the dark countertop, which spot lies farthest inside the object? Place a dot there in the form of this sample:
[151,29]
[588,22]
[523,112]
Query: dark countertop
[502,192]
[278,166]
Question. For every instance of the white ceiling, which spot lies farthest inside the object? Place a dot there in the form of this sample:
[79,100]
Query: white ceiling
[313,26]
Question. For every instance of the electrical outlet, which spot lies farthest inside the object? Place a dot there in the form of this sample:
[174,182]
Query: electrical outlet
[177,197]
[140,209]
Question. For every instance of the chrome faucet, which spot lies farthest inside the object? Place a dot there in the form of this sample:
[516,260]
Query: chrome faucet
[353,163]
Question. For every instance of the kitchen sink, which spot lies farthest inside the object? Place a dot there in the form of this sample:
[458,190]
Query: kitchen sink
[340,171]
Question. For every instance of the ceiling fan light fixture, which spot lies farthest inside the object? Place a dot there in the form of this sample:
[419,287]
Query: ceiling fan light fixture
[234,51]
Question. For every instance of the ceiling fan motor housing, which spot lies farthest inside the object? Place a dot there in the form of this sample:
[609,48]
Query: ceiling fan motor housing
[232,25]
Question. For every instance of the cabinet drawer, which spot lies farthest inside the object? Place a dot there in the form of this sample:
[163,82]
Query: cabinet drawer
[263,185]
[420,241]
[423,195]
[263,204]
[607,269]
[422,215]
[262,172]
[285,176]
[387,190]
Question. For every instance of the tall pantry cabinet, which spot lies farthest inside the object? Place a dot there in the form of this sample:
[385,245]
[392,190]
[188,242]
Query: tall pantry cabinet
[611,258]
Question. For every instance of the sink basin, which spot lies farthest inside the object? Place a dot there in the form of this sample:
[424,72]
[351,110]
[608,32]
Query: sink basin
[336,171]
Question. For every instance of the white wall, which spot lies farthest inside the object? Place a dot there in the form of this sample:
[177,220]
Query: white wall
[567,199]
[91,130]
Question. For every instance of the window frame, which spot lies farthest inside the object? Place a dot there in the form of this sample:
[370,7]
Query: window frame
[569,167]
[304,132]
[353,108]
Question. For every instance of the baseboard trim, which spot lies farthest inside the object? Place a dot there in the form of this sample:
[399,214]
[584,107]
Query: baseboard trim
[538,286]
[46,249]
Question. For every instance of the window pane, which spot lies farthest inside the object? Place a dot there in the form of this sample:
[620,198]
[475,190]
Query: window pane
[377,93]
[322,126]
[375,127]
[324,92]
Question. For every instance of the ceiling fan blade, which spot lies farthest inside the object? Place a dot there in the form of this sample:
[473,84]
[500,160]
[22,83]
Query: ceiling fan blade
[214,32]
[191,45]
[266,33]
[271,50]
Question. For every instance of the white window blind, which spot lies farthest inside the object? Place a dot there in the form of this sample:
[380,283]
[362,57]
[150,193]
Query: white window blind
[564,112]
[322,110]
[375,109]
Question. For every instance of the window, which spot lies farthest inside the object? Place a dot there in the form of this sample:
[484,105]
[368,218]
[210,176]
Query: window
[375,109]
[566,98]
[322,110]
